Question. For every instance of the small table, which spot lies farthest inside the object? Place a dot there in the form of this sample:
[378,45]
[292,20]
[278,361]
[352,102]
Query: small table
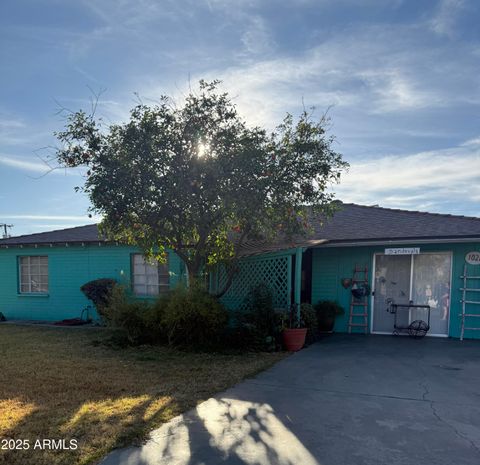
[417,328]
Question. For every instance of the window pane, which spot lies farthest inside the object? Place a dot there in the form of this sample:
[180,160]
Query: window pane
[139,279]
[139,289]
[152,290]
[152,270]
[34,274]
[152,279]
[43,288]
[147,274]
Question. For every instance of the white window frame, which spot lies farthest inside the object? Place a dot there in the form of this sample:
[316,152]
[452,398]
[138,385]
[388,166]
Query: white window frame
[149,279]
[25,263]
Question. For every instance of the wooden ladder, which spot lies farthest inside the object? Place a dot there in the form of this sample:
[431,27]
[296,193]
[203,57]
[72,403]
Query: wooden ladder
[468,301]
[359,307]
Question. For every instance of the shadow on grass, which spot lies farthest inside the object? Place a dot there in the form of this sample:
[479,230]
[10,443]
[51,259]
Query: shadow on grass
[57,384]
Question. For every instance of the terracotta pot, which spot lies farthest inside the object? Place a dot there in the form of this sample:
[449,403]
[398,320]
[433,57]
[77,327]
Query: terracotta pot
[294,339]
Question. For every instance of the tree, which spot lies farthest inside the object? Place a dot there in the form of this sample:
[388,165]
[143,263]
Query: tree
[196,179]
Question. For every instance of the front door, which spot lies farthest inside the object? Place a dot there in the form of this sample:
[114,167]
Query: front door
[392,282]
[422,279]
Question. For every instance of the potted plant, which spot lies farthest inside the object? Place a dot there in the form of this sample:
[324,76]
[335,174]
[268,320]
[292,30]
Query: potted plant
[294,330]
[327,311]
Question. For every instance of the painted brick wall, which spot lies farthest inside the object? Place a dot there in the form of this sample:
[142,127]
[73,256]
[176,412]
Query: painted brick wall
[330,265]
[69,268]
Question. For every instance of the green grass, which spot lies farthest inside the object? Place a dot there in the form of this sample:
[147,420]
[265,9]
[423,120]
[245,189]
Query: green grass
[65,383]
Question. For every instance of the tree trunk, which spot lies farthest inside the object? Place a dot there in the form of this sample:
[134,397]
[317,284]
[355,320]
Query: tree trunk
[193,275]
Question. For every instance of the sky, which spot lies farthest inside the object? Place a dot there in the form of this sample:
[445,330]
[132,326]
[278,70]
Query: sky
[400,81]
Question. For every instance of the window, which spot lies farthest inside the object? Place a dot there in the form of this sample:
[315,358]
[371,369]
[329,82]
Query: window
[149,278]
[33,275]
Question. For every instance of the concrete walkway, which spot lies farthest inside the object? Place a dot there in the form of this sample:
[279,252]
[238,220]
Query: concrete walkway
[346,400]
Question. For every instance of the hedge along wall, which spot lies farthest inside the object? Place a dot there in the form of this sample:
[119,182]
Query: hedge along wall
[331,264]
[273,270]
[68,269]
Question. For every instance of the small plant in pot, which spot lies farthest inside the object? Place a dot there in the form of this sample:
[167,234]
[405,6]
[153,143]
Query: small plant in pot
[327,311]
[294,330]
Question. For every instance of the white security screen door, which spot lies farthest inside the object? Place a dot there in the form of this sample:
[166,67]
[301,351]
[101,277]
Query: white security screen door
[431,286]
[392,281]
[422,279]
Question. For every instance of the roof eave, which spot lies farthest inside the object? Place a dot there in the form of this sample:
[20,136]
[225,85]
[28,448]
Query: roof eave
[406,240]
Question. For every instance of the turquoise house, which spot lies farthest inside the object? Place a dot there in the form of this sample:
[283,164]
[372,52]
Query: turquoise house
[407,260]
[42,273]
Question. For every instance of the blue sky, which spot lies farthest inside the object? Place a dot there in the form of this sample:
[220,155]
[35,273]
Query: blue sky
[401,79]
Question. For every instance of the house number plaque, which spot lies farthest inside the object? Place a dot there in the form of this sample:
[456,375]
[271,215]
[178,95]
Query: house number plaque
[473,258]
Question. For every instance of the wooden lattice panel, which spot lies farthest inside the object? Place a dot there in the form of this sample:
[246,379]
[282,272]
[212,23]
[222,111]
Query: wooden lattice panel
[274,272]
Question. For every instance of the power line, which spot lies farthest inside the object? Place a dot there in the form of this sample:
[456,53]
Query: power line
[5,227]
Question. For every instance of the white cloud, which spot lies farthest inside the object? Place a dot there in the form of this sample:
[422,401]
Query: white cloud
[26,164]
[426,180]
[374,70]
[395,91]
[257,38]
[40,167]
[9,123]
[475,142]
[444,21]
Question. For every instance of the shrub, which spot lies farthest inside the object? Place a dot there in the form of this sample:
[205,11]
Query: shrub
[192,318]
[326,311]
[98,291]
[328,307]
[258,327]
[309,317]
[130,316]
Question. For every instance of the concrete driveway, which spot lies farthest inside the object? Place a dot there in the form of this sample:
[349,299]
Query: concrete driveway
[345,400]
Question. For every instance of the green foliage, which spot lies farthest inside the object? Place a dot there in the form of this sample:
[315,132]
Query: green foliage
[309,317]
[192,318]
[329,308]
[326,311]
[196,179]
[189,318]
[127,315]
[258,327]
[98,291]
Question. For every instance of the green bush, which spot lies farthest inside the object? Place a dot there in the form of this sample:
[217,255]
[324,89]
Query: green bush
[326,311]
[183,317]
[308,315]
[192,318]
[258,326]
[128,315]
[98,291]
[328,307]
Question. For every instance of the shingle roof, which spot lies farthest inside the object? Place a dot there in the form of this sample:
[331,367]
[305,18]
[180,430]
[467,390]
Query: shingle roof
[359,223]
[79,234]
[350,223]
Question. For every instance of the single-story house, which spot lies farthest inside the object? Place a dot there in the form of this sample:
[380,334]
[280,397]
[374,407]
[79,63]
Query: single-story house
[405,257]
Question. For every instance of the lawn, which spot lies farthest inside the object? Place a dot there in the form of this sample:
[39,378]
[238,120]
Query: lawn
[66,383]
